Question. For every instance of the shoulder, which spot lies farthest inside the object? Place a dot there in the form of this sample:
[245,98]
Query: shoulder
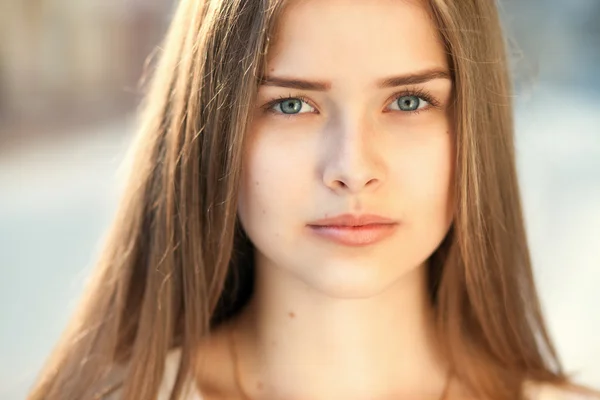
[545,391]
[215,367]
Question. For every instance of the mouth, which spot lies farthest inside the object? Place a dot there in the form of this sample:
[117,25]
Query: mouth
[353,230]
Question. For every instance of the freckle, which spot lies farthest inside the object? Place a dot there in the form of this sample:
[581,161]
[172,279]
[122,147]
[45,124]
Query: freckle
[259,385]
[292,315]
[263,212]
[273,343]
[256,183]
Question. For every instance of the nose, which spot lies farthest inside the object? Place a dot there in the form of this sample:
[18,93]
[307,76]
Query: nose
[352,162]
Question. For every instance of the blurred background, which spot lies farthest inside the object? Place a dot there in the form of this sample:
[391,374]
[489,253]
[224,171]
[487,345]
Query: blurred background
[69,73]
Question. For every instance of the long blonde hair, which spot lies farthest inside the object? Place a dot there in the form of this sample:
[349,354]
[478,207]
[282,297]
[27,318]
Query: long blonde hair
[174,263]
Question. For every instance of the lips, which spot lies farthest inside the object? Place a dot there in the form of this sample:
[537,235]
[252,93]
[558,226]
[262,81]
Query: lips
[353,220]
[354,230]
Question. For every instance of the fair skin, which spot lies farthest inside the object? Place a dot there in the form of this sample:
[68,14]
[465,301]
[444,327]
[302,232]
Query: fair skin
[334,132]
[348,321]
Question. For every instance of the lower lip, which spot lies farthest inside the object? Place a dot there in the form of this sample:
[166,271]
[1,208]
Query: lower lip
[355,235]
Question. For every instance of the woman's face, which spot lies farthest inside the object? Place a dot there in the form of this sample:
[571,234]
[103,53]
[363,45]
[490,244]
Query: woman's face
[352,119]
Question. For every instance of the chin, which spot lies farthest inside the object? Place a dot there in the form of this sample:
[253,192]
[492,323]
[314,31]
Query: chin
[345,280]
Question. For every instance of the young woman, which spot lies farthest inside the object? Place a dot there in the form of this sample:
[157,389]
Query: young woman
[322,204]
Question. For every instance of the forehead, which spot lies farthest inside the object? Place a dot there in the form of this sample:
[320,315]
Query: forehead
[355,38]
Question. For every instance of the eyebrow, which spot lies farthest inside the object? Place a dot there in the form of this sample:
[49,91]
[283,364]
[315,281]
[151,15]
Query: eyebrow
[322,86]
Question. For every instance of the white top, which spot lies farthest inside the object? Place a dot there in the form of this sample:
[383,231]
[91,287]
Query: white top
[549,392]
[168,380]
[170,375]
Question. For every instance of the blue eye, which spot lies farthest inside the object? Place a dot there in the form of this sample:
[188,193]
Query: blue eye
[409,103]
[290,106]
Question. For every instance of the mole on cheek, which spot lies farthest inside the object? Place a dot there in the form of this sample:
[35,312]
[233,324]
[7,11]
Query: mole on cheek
[292,315]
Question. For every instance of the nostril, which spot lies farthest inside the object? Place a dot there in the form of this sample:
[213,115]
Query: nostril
[342,179]
[341,184]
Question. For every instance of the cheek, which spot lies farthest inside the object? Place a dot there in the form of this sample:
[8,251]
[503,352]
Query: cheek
[426,174]
[274,177]
[255,183]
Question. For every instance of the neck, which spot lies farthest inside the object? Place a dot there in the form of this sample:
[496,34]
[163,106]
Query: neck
[293,342]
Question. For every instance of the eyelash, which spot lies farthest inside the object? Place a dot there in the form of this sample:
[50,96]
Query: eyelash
[417,92]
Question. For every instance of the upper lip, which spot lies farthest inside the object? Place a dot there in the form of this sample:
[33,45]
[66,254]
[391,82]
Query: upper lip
[353,220]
